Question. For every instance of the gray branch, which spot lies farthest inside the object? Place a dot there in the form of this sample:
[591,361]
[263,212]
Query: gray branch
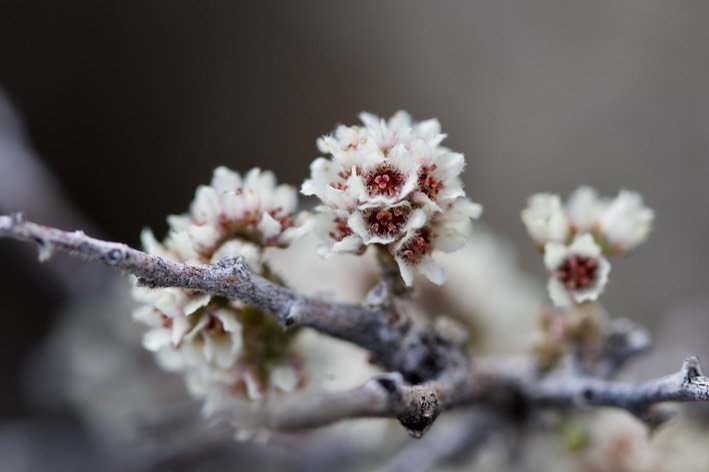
[432,373]
[395,342]
[562,390]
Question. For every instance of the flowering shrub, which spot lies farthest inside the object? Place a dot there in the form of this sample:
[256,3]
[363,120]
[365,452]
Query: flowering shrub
[262,344]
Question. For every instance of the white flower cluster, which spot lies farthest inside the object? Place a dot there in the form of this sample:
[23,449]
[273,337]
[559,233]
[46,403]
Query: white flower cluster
[576,236]
[221,346]
[390,183]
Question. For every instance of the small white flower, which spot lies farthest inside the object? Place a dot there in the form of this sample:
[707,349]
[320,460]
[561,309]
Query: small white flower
[209,339]
[385,224]
[166,312]
[583,208]
[545,219]
[446,232]
[577,273]
[252,207]
[626,222]
[390,183]
[619,224]
[380,179]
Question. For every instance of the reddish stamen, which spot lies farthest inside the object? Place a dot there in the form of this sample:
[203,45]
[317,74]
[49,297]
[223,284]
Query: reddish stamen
[384,181]
[418,245]
[386,221]
[577,272]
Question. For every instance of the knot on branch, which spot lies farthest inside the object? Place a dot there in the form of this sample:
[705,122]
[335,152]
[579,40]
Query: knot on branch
[115,257]
[691,369]
[392,384]
[292,314]
[417,406]
[236,262]
[423,411]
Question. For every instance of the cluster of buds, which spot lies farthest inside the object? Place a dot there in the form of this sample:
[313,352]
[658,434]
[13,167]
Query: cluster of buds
[576,237]
[221,346]
[390,183]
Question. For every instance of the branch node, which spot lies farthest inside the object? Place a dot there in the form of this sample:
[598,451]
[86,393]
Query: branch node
[115,257]
[691,369]
[292,314]
[425,412]
[392,383]
[231,261]
[378,295]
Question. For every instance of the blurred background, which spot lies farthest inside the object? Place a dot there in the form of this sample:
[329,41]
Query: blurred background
[130,107]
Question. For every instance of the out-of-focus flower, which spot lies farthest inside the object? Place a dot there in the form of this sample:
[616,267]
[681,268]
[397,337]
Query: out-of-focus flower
[488,293]
[618,224]
[545,219]
[222,347]
[625,222]
[390,183]
[446,231]
[577,273]
[583,209]
[620,442]
[251,208]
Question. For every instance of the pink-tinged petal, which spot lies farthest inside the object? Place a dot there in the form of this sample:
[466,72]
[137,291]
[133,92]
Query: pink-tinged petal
[351,244]
[416,220]
[583,208]
[253,386]
[554,255]
[284,377]
[179,223]
[151,245]
[449,240]
[626,222]
[468,208]
[204,237]
[268,227]
[196,302]
[407,271]
[584,245]
[180,328]
[545,219]
[558,293]
[355,188]
[226,180]
[205,208]
[429,129]
[449,166]
[432,270]
[156,339]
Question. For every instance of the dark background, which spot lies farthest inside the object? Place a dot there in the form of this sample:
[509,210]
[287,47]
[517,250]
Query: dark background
[132,104]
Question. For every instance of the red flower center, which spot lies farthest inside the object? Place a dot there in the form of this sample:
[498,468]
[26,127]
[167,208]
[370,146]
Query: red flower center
[386,221]
[384,181]
[215,326]
[577,272]
[341,230]
[418,245]
[427,183]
